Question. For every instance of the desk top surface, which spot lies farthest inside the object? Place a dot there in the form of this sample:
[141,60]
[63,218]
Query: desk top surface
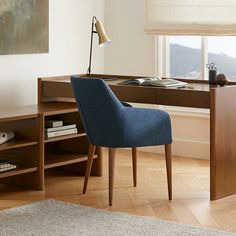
[197,93]
[193,85]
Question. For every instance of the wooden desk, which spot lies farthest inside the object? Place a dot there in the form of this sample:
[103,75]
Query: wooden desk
[220,100]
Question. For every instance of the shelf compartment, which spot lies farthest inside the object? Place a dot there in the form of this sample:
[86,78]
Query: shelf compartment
[16,144]
[64,158]
[64,137]
[25,129]
[18,171]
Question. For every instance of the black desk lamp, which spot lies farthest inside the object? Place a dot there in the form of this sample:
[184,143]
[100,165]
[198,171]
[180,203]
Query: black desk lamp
[102,39]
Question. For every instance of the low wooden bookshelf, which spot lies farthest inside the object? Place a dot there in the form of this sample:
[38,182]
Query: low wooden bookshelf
[34,154]
[23,150]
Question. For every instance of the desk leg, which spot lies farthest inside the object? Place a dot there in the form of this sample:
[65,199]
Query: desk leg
[222,142]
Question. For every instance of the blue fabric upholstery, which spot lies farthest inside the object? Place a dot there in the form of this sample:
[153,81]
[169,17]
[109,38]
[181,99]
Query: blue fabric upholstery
[125,104]
[108,123]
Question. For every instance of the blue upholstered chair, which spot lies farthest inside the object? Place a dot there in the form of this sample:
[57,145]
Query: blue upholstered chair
[109,123]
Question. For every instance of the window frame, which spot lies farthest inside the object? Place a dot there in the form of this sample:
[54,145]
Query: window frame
[162,68]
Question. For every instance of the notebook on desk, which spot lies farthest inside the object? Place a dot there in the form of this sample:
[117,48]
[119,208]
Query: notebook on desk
[154,81]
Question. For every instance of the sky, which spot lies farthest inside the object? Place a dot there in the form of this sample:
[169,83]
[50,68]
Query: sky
[220,45]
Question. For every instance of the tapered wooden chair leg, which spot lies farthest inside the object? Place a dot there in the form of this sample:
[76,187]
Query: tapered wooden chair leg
[169,169]
[111,173]
[91,152]
[134,162]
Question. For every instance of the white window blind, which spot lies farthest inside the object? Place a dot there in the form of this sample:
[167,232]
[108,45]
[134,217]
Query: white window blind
[191,17]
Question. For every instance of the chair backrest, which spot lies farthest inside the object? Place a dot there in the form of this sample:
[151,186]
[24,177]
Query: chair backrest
[100,110]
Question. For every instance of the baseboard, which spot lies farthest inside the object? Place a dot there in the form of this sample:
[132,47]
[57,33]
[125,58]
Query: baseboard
[185,148]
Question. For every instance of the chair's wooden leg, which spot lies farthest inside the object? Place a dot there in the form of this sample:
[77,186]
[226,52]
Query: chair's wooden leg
[91,152]
[169,169]
[111,173]
[134,162]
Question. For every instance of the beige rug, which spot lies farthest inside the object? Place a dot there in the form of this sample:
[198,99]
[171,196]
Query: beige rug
[57,218]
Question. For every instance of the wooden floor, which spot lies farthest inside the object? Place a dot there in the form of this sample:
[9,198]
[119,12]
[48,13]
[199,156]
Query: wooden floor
[190,204]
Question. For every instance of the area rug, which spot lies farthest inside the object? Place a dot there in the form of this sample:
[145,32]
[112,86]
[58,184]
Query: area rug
[51,217]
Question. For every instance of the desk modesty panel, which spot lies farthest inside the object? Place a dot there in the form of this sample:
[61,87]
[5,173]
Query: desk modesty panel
[220,100]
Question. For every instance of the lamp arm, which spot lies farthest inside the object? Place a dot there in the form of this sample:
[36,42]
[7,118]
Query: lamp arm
[91,46]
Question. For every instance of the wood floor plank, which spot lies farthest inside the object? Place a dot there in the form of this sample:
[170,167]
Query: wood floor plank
[182,212]
[141,205]
[203,215]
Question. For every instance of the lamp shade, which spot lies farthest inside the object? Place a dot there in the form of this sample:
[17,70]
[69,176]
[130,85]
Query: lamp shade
[102,36]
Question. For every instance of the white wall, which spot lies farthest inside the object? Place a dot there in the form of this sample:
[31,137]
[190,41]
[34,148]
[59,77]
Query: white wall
[69,40]
[132,52]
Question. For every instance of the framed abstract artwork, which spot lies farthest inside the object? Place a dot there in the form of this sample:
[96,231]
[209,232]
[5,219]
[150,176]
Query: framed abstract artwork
[24,26]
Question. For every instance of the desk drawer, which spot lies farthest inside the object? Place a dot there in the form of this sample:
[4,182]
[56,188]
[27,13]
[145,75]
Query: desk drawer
[137,94]
[182,97]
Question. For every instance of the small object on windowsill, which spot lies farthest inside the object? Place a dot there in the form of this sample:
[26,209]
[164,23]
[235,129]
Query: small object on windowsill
[212,70]
[221,79]
[6,136]
[212,77]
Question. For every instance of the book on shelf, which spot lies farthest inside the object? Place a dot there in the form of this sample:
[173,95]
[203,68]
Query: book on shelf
[67,126]
[11,167]
[61,132]
[154,81]
[53,123]
[5,165]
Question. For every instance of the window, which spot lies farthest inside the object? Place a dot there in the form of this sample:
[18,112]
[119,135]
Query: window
[187,56]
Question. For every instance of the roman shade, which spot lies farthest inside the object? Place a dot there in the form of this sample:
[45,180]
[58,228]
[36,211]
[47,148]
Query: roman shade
[191,17]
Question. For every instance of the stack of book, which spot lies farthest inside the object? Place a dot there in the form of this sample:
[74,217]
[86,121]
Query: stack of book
[55,128]
[5,166]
